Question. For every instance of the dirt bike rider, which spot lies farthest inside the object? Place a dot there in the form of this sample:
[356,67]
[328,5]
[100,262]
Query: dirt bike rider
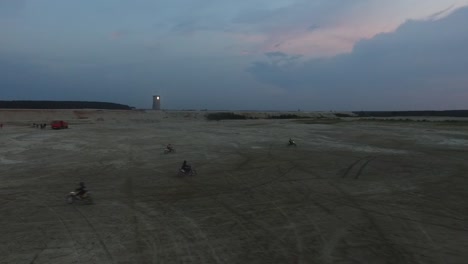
[81,191]
[169,147]
[185,167]
[291,142]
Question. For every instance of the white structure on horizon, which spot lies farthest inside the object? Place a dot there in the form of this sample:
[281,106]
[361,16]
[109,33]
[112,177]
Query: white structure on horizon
[156,102]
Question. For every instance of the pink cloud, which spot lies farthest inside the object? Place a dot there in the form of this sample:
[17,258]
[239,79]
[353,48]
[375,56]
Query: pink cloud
[324,42]
[317,43]
[338,36]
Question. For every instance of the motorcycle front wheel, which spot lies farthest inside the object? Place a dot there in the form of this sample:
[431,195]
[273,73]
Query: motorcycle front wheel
[89,200]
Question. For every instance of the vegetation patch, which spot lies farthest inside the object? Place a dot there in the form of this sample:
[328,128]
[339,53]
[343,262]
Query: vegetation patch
[452,123]
[447,113]
[62,105]
[320,121]
[286,116]
[392,120]
[343,115]
[224,116]
[407,120]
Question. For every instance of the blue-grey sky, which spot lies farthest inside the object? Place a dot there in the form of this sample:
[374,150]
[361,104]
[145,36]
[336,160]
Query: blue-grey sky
[220,54]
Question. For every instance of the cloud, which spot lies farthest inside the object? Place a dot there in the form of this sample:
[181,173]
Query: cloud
[422,61]
[276,54]
[293,13]
[11,7]
[316,27]
[282,59]
[71,48]
[441,13]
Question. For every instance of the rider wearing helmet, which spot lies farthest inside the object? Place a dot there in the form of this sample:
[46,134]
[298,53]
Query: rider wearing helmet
[81,190]
[291,142]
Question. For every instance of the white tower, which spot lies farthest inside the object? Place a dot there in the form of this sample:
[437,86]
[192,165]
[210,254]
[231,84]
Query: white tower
[156,102]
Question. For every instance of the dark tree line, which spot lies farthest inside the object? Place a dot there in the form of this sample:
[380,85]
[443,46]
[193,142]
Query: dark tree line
[448,113]
[224,116]
[62,105]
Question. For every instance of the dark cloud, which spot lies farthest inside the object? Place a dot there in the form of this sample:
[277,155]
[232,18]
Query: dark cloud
[427,58]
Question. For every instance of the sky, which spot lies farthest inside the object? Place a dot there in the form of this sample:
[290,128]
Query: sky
[317,55]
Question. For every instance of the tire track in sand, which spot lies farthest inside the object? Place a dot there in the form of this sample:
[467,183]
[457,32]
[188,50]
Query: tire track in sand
[363,164]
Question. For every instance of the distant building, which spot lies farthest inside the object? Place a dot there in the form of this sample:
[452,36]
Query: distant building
[156,102]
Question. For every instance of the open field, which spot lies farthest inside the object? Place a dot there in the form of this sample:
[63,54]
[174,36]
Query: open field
[351,192]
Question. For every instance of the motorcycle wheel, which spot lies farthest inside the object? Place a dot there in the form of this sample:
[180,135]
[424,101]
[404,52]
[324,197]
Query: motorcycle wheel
[69,199]
[89,200]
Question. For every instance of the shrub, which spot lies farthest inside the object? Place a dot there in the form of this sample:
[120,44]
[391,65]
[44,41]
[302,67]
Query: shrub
[224,116]
[342,115]
[286,116]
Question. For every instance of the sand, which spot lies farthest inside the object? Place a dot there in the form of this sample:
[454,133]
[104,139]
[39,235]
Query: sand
[350,192]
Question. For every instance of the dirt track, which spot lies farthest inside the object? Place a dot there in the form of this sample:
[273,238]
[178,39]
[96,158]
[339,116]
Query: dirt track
[351,192]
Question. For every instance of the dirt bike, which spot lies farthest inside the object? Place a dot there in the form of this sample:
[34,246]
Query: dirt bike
[85,198]
[183,172]
[292,143]
[166,150]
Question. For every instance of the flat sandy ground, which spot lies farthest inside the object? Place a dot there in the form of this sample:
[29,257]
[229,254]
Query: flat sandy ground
[350,192]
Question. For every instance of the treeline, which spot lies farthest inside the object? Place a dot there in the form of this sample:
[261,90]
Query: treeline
[62,105]
[224,116]
[447,113]
[233,116]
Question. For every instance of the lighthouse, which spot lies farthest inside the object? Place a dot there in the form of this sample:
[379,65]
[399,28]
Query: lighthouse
[156,102]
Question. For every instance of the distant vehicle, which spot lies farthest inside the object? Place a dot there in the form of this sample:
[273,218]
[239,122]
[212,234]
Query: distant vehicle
[59,124]
[292,143]
[191,172]
[169,149]
[73,196]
